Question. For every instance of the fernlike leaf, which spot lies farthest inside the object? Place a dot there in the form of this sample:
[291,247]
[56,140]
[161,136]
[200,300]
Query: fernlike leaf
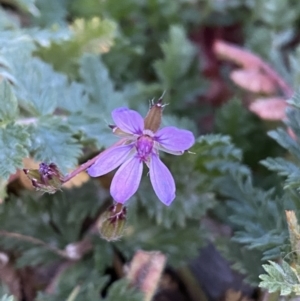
[120,290]
[286,141]
[14,144]
[28,6]
[279,278]
[52,141]
[50,12]
[7,21]
[99,85]
[7,298]
[92,128]
[178,55]
[39,86]
[141,234]
[8,103]
[73,98]
[94,36]
[261,211]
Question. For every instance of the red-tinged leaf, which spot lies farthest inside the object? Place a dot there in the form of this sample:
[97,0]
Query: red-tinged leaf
[253,81]
[269,108]
[236,54]
[291,133]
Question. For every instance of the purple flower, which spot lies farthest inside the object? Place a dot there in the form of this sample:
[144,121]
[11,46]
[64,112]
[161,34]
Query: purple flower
[142,142]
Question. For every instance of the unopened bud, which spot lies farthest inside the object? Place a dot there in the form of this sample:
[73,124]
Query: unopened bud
[47,178]
[153,119]
[112,222]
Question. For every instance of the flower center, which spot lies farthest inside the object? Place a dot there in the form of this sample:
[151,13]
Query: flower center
[144,145]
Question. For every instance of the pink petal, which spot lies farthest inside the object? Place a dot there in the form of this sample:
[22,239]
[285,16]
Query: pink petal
[269,108]
[174,140]
[162,180]
[128,121]
[109,160]
[126,180]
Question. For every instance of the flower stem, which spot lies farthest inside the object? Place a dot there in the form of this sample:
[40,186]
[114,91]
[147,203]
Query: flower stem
[90,162]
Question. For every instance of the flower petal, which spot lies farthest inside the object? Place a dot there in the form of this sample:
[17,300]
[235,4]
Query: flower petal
[126,180]
[162,180]
[174,140]
[109,160]
[128,121]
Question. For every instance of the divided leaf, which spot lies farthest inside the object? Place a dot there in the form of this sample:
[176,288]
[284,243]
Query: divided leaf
[14,144]
[52,141]
[120,290]
[8,103]
[280,278]
[178,56]
[99,85]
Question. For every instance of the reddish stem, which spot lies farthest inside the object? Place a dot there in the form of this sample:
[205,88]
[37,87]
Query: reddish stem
[90,162]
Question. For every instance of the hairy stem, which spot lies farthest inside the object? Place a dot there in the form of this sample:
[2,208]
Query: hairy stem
[90,162]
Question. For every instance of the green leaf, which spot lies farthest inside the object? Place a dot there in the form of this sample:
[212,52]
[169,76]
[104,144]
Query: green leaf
[27,6]
[14,143]
[281,165]
[215,154]
[50,12]
[73,98]
[8,103]
[120,290]
[81,281]
[104,97]
[192,199]
[257,216]
[177,71]
[93,128]
[45,37]
[284,168]
[280,278]
[246,130]
[286,141]
[6,21]
[58,221]
[7,298]
[241,258]
[52,141]
[178,56]
[39,87]
[179,243]
[92,36]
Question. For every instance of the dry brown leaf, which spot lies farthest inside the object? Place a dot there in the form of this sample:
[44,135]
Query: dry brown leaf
[294,230]
[269,108]
[77,181]
[9,276]
[145,271]
[254,81]
[232,295]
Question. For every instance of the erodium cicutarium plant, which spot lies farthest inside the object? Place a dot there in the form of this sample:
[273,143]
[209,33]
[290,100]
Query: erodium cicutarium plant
[141,141]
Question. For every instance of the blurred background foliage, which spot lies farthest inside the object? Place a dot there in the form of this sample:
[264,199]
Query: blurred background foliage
[66,64]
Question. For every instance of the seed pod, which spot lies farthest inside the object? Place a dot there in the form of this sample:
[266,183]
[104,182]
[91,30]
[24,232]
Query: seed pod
[112,222]
[153,118]
[46,179]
